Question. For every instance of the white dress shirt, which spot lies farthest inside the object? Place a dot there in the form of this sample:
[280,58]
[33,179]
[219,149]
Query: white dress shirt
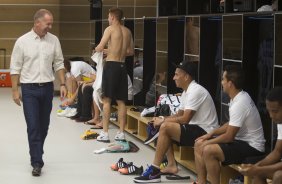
[33,58]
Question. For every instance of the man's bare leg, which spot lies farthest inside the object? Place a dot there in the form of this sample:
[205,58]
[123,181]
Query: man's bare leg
[96,115]
[121,115]
[106,113]
[171,167]
[277,177]
[168,132]
[213,155]
[200,164]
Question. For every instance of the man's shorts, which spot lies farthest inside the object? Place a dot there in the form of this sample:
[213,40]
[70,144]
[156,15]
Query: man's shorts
[237,151]
[114,81]
[189,133]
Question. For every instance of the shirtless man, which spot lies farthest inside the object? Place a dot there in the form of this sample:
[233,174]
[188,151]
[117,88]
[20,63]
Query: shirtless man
[114,81]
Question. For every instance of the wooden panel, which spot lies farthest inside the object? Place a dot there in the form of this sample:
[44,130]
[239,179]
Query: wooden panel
[146,3]
[30,2]
[74,2]
[75,30]
[110,3]
[145,11]
[15,30]
[128,12]
[24,13]
[75,47]
[75,13]
[126,3]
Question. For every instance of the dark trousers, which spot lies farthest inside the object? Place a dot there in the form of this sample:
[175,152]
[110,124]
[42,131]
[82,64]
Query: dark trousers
[37,106]
[85,101]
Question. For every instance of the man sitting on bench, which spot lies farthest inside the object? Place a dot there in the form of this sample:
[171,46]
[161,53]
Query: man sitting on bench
[271,166]
[241,137]
[196,117]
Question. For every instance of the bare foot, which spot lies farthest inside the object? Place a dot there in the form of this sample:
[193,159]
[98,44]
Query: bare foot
[170,169]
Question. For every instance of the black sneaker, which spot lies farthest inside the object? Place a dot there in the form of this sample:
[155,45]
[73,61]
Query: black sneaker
[152,133]
[131,169]
[36,171]
[151,175]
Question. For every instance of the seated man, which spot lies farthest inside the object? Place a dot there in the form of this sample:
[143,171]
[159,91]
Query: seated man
[271,166]
[196,117]
[241,137]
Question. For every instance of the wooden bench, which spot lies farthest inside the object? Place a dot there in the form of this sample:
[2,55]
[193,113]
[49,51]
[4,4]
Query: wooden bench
[137,126]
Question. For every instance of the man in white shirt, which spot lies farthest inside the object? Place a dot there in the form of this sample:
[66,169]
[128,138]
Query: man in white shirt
[196,117]
[241,137]
[33,59]
[271,166]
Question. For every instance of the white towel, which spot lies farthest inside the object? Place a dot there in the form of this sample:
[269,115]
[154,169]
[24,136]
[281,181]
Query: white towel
[97,85]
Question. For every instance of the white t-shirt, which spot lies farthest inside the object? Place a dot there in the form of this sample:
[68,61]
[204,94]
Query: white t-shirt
[81,68]
[279,131]
[244,114]
[198,99]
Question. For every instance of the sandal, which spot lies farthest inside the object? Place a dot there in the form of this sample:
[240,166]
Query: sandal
[97,127]
[89,123]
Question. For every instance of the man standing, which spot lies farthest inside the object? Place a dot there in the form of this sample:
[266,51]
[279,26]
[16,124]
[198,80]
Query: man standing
[114,81]
[33,59]
[271,166]
[241,137]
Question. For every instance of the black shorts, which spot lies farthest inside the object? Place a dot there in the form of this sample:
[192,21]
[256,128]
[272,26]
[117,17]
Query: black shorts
[114,81]
[237,151]
[189,133]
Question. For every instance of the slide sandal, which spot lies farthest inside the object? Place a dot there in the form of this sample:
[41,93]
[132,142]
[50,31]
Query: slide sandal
[177,177]
[89,123]
[97,127]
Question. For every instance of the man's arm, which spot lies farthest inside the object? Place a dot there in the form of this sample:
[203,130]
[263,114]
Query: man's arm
[105,39]
[226,134]
[130,49]
[267,166]
[63,89]
[274,156]
[182,117]
[15,89]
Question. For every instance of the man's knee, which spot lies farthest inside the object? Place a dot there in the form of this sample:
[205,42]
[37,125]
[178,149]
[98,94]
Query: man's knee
[277,177]
[211,151]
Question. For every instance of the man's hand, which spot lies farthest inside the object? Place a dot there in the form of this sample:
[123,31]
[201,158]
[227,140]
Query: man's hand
[157,121]
[17,97]
[204,137]
[248,169]
[63,92]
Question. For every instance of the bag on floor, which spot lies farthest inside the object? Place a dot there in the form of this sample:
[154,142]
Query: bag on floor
[119,147]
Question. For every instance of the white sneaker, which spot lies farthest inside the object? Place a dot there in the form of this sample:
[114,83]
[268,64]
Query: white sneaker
[148,111]
[71,112]
[64,112]
[103,137]
[120,136]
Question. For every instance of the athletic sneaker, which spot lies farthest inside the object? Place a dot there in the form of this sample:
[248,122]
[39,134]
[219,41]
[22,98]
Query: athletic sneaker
[152,133]
[120,164]
[151,175]
[72,112]
[131,169]
[120,136]
[103,137]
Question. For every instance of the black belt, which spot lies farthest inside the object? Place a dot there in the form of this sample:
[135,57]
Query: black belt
[37,84]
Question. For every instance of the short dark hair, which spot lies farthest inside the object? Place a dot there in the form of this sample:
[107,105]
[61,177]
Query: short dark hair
[118,13]
[275,95]
[236,75]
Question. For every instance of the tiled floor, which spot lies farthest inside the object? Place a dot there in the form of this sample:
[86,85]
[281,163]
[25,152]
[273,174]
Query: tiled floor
[68,159]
